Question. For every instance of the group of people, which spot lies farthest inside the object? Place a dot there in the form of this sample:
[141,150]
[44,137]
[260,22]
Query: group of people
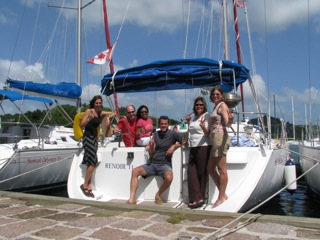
[208,140]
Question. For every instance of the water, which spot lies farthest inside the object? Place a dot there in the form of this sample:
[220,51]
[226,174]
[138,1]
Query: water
[302,203]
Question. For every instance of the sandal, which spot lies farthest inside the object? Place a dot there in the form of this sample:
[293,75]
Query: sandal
[195,204]
[90,193]
[85,191]
[192,205]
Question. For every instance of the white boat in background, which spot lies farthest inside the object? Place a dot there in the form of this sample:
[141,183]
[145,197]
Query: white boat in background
[37,156]
[33,157]
[309,159]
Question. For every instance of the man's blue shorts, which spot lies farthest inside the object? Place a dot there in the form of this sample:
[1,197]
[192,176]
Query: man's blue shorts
[154,169]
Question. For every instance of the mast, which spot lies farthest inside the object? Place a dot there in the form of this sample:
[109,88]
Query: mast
[79,52]
[293,123]
[225,30]
[236,27]
[109,46]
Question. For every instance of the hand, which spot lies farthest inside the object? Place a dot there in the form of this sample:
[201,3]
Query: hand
[202,125]
[116,130]
[170,151]
[188,117]
[151,143]
[107,121]
[112,114]
[184,142]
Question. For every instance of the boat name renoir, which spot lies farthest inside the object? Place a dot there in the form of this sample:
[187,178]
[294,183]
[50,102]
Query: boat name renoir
[44,159]
[116,166]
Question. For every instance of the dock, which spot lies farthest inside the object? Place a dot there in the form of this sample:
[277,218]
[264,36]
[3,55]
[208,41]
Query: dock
[30,216]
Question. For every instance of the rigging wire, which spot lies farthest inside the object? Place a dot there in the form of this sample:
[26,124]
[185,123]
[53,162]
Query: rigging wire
[187,32]
[250,40]
[34,32]
[309,72]
[16,42]
[121,26]
[267,59]
[200,29]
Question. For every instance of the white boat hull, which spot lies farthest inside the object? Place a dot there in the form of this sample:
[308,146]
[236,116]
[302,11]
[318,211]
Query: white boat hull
[254,175]
[308,152]
[26,166]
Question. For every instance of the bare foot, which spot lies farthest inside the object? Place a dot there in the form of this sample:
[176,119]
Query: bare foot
[131,202]
[158,200]
[219,202]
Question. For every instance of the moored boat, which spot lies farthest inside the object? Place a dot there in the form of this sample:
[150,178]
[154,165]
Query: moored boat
[33,157]
[309,159]
[255,161]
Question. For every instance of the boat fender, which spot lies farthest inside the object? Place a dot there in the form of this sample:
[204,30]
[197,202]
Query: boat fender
[290,175]
[77,130]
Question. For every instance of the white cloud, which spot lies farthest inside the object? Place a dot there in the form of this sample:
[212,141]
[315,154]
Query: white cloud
[165,15]
[20,70]
[280,15]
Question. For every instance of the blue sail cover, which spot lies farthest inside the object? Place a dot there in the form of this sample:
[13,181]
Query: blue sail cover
[63,89]
[176,74]
[14,96]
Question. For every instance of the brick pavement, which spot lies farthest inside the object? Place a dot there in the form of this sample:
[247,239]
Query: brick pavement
[27,216]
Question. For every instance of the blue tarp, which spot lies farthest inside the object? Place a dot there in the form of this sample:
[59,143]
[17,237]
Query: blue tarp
[14,96]
[63,89]
[176,74]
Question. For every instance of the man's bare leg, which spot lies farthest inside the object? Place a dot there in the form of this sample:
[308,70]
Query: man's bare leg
[167,180]
[134,183]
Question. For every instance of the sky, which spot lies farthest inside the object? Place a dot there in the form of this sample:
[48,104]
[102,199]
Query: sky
[279,45]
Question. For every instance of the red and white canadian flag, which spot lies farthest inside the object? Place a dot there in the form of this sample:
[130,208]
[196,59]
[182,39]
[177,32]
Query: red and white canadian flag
[102,57]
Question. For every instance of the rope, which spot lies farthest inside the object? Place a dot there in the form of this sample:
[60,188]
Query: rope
[122,23]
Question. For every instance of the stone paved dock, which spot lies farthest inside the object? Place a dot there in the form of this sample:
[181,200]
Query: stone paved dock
[27,217]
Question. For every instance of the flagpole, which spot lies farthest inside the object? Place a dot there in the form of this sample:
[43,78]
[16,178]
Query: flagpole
[236,27]
[109,46]
[79,53]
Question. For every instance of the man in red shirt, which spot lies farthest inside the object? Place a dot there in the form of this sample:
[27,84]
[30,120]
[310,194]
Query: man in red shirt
[127,126]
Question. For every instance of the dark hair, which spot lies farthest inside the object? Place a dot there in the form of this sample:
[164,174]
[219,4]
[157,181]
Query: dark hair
[204,105]
[139,110]
[218,88]
[164,117]
[93,100]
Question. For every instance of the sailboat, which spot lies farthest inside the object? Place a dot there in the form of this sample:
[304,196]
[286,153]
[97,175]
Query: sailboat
[309,147]
[255,170]
[309,150]
[36,156]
